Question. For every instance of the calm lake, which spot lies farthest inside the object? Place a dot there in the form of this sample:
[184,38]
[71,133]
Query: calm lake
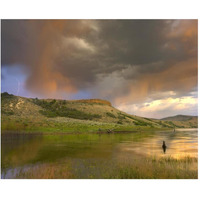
[88,155]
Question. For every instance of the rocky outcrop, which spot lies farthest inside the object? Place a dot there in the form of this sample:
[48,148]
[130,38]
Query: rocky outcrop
[93,101]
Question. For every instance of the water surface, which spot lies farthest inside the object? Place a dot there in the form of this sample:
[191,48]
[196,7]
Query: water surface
[81,151]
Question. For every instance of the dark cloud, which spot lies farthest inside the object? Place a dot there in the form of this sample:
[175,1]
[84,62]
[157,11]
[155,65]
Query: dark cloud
[121,60]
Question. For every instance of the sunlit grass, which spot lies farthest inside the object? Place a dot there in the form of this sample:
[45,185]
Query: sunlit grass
[46,172]
[62,125]
[144,168]
[162,168]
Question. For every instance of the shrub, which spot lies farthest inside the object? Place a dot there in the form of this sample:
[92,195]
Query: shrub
[121,117]
[142,123]
[6,95]
[119,122]
[7,112]
[56,109]
[110,115]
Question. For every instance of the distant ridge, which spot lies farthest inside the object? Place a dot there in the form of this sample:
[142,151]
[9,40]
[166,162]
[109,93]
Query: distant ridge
[179,118]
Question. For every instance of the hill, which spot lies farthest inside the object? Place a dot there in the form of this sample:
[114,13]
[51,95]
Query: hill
[180,118]
[54,115]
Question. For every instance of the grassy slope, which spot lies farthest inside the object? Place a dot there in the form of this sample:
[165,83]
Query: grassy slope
[180,118]
[33,115]
[183,119]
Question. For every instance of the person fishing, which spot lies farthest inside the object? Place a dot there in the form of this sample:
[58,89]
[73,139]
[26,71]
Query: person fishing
[164,147]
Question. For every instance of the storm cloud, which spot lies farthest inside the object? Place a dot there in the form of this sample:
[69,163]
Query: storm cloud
[124,61]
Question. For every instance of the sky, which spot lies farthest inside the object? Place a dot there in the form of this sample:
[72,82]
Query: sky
[143,67]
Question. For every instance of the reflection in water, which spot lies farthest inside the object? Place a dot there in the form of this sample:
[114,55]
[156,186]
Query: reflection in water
[20,151]
[179,145]
[164,146]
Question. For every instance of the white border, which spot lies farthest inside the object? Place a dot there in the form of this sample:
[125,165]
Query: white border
[104,9]
[100,189]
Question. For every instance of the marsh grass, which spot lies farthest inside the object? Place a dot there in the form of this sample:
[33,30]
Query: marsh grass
[154,168]
[144,168]
[45,171]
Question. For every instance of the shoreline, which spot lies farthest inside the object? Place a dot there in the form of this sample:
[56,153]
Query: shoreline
[23,132]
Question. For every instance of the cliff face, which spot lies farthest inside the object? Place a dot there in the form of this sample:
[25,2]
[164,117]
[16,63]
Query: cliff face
[99,101]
